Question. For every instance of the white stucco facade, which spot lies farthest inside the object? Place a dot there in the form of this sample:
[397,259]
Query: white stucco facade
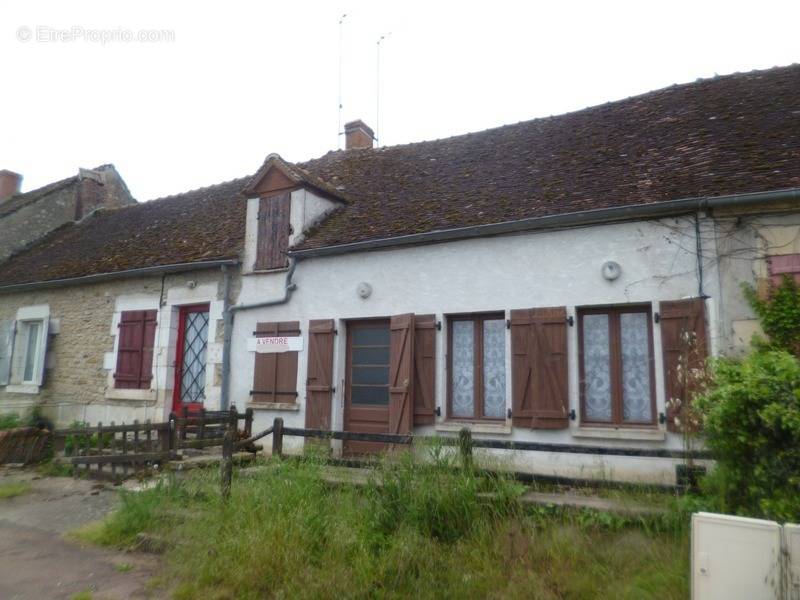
[538,269]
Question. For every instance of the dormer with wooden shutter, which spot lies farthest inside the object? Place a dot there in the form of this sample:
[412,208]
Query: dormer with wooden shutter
[284,202]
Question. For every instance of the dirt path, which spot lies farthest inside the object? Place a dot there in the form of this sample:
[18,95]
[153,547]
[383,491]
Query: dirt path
[37,562]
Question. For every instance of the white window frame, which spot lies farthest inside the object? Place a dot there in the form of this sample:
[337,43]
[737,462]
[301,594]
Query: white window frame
[25,316]
[25,328]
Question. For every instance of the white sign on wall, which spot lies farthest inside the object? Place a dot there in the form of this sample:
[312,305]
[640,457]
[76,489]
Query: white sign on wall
[277,343]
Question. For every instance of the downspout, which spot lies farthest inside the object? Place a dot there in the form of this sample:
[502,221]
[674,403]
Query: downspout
[228,315]
[699,251]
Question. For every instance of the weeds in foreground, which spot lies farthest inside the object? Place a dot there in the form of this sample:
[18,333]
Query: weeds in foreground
[11,490]
[416,530]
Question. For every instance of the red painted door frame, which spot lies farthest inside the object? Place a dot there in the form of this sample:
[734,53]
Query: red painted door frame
[183,312]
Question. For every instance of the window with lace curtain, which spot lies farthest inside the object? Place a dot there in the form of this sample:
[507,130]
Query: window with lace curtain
[617,383]
[477,366]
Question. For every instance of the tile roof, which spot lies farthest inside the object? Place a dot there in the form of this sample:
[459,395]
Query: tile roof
[200,225]
[730,134]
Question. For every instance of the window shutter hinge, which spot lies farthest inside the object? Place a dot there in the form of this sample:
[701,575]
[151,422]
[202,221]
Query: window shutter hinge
[656,317]
[570,321]
[509,413]
[572,415]
[333,389]
[662,418]
[508,323]
[438,411]
[438,325]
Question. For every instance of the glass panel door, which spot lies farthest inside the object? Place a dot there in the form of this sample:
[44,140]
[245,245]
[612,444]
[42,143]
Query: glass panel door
[190,357]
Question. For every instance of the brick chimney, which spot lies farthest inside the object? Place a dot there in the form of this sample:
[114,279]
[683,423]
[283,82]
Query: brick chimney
[10,184]
[358,134]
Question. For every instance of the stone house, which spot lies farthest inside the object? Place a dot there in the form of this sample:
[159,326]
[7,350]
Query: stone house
[27,217]
[531,282]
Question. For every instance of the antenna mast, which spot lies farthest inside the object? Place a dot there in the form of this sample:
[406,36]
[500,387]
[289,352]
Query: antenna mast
[378,89]
[339,129]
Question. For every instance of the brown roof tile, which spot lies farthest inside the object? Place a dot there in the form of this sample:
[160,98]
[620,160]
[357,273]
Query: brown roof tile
[200,225]
[730,134]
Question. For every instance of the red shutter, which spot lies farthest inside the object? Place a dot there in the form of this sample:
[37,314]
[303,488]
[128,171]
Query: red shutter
[780,266]
[424,369]
[539,375]
[273,231]
[677,318]
[275,373]
[137,329]
[401,367]
[319,382]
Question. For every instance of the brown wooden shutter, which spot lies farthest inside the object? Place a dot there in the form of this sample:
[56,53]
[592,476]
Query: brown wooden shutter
[539,375]
[676,318]
[401,367]
[424,369]
[275,373]
[137,329]
[319,382]
[273,231]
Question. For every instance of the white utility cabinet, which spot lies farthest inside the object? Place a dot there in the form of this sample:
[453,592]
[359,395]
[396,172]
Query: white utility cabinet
[736,558]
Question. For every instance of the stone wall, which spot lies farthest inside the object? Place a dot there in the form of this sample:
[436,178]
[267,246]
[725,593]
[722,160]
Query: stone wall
[81,354]
[91,190]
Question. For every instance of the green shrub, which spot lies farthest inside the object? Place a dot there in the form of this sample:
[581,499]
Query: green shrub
[10,421]
[752,425]
[779,314]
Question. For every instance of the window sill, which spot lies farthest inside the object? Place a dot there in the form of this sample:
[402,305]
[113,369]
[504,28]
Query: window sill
[267,271]
[620,433]
[275,406]
[22,388]
[490,428]
[130,394]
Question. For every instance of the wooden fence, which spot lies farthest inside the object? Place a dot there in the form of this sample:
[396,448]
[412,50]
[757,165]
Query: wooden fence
[117,451]
[465,443]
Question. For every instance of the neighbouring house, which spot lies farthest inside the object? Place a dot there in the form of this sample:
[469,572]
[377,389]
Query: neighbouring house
[27,217]
[532,282]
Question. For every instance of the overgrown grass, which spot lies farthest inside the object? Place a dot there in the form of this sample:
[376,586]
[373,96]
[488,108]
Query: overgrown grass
[417,530]
[17,488]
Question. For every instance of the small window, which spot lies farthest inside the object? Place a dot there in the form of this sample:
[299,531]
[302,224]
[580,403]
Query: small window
[781,266]
[273,231]
[477,367]
[275,374]
[31,331]
[136,338]
[617,366]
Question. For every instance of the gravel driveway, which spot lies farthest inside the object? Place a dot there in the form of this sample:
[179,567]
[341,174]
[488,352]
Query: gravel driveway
[38,563]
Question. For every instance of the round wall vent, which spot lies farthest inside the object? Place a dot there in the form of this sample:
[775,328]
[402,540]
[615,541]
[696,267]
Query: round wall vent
[611,270]
[364,290]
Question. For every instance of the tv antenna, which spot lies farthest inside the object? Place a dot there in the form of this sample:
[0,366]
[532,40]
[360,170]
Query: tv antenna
[339,129]
[378,88]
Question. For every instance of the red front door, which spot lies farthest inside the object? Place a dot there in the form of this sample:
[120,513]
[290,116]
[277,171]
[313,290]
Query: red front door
[190,358]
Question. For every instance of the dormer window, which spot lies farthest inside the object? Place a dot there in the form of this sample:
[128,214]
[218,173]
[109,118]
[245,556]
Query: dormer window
[273,231]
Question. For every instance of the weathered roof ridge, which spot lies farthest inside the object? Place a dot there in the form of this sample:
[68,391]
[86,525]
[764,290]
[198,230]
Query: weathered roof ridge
[18,201]
[715,136]
[577,111]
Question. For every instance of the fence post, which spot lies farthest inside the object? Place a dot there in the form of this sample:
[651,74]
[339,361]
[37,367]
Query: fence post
[465,446]
[227,464]
[169,441]
[248,422]
[277,437]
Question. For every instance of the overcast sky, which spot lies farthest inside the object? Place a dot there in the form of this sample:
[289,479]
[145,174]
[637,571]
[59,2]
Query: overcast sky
[222,84]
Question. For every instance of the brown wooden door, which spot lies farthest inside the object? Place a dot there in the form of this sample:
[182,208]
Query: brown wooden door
[367,382]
